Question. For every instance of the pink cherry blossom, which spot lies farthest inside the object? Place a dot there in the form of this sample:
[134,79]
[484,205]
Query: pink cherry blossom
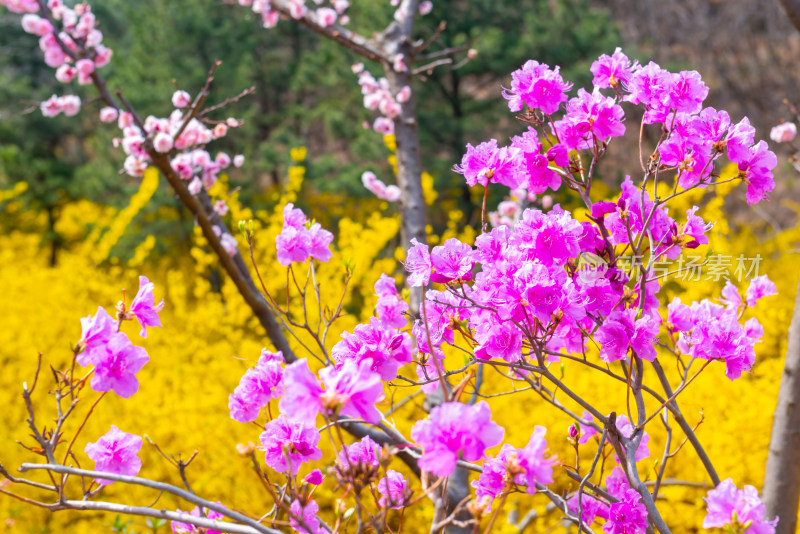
[181,99]
[783,133]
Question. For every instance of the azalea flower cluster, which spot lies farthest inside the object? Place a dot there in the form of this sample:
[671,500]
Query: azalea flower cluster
[712,331]
[742,509]
[116,362]
[301,239]
[696,136]
[114,358]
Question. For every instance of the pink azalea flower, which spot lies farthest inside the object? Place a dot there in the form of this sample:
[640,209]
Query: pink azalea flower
[610,71]
[591,508]
[365,453]
[452,430]
[394,490]
[487,163]
[116,369]
[760,287]
[628,516]
[144,307]
[319,243]
[726,501]
[255,389]
[418,264]
[293,245]
[307,513]
[531,460]
[314,477]
[187,528]
[538,86]
[452,261]
[288,444]
[115,452]
[96,331]
[302,391]
[353,388]
[494,477]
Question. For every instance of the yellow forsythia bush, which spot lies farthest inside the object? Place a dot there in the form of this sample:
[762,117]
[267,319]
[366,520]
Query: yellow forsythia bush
[210,338]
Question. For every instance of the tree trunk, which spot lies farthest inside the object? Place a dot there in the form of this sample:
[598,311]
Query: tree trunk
[792,9]
[782,478]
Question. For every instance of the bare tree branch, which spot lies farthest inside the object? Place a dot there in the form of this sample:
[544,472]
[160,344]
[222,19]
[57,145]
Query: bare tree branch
[159,486]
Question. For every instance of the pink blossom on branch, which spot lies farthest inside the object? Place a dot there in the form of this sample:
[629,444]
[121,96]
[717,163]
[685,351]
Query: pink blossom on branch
[115,370]
[452,431]
[144,307]
[115,452]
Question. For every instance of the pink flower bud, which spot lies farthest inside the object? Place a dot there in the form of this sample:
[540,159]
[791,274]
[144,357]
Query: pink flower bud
[471,53]
[238,160]
[181,99]
[108,114]
[425,7]
[270,18]
[162,142]
[314,477]
[357,68]
[573,430]
[547,202]
[783,133]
